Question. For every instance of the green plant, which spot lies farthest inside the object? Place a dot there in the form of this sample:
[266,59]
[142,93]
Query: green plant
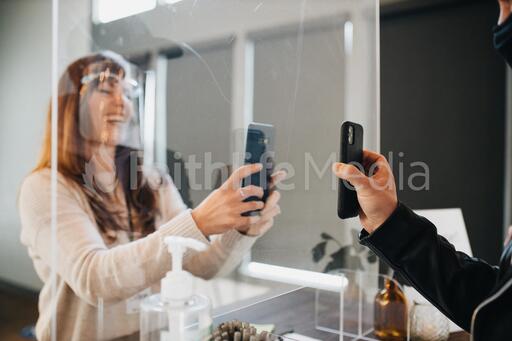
[347,256]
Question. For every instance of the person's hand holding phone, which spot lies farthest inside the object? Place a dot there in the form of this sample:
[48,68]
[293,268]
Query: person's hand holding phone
[269,211]
[505,10]
[221,210]
[376,192]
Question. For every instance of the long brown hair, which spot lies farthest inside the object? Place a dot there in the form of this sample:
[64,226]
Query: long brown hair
[73,154]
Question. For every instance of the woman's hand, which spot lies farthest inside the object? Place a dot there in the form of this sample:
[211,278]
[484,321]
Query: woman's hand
[505,10]
[268,213]
[376,193]
[221,210]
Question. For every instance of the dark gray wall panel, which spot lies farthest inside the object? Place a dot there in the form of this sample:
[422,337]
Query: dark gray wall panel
[443,102]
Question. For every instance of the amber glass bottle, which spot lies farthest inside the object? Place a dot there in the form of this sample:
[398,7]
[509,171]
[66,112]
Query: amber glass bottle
[390,320]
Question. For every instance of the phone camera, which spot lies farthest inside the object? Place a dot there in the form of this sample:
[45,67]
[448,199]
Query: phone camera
[350,135]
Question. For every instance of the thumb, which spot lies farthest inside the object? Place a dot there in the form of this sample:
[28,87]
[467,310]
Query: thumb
[351,174]
[505,9]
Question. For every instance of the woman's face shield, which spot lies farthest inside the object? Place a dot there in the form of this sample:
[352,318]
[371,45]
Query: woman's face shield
[111,102]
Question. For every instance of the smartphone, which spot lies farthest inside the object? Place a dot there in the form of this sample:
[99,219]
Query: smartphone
[259,148]
[351,152]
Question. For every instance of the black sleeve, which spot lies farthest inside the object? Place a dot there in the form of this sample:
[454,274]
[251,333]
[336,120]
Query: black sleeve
[502,37]
[452,281]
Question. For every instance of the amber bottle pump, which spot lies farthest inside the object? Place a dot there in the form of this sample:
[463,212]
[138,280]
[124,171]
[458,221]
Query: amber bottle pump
[391,314]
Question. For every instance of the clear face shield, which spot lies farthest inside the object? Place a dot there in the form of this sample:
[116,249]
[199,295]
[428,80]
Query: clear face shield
[111,105]
[110,112]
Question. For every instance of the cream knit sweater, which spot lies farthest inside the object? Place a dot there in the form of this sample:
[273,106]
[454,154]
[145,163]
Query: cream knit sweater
[96,282]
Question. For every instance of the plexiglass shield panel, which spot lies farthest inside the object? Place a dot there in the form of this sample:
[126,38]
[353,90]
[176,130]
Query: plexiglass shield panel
[153,112]
[354,305]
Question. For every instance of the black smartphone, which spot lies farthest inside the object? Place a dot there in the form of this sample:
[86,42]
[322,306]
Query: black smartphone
[259,148]
[351,152]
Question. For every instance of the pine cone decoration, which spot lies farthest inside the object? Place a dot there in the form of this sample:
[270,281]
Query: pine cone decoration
[239,331]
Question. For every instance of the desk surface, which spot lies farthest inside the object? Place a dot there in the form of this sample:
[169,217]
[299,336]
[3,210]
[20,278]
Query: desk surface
[295,311]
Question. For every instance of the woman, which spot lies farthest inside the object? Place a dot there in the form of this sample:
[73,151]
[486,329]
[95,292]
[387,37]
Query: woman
[97,216]
[472,293]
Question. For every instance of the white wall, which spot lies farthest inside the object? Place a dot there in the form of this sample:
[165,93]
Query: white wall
[25,55]
[25,69]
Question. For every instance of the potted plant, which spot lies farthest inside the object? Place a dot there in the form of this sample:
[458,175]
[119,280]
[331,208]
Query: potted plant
[346,257]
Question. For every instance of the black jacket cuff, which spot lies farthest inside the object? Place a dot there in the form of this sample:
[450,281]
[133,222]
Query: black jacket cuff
[396,235]
[499,27]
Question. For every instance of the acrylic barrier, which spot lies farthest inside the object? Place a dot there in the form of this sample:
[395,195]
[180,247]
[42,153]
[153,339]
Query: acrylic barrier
[368,307]
[194,74]
[152,104]
[356,306]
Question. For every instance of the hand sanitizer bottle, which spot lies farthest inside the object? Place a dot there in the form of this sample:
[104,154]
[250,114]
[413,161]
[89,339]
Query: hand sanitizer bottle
[176,314]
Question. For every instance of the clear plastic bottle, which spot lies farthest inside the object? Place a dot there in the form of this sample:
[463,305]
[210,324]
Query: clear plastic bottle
[176,314]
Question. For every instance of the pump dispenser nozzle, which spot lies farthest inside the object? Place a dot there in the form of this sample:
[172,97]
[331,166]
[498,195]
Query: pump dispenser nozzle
[188,314]
[177,284]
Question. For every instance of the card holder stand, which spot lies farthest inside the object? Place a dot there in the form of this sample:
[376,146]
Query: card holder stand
[353,316]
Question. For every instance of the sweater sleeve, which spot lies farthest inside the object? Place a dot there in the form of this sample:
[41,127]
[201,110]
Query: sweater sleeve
[84,261]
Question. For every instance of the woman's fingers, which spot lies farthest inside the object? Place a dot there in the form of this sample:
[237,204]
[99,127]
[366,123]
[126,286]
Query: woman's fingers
[272,200]
[277,177]
[238,175]
[251,206]
[266,217]
[265,223]
[272,207]
[246,222]
[270,213]
[222,210]
[250,191]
